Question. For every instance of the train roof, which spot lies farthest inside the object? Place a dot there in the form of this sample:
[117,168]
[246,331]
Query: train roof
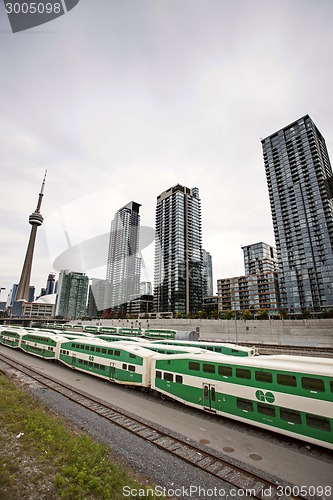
[150,345]
[128,346]
[207,342]
[296,364]
[131,338]
[54,336]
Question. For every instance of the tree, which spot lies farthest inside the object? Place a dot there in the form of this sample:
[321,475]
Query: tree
[262,314]
[179,315]
[246,314]
[229,315]
[214,314]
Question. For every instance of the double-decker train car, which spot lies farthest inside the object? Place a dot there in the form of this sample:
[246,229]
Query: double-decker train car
[122,338]
[218,347]
[121,362]
[43,345]
[292,395]
[166,348]
[11,336]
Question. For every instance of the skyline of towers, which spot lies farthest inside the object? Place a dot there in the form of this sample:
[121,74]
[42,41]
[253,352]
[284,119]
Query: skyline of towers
[178,251]
[123,264]
[36,220]
[300,184]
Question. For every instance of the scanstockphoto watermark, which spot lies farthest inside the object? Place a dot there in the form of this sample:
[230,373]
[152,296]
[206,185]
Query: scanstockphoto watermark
[192,491]
[25,15]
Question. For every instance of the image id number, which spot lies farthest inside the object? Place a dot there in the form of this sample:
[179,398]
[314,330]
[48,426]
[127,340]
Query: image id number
[33,8]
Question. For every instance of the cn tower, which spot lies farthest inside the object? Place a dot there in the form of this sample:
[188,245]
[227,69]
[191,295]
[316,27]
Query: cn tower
[36,220]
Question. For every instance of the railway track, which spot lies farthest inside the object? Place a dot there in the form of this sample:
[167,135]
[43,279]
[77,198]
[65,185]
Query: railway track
[236,475]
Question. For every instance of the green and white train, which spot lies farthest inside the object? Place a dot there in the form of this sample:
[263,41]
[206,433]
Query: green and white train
[292,395]
[218,347]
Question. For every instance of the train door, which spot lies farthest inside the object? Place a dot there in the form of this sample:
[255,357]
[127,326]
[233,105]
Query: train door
[112,371]
[74,359]
[209,396]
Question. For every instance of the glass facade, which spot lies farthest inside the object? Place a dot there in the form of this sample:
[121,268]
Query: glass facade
[260,258]
[123,264]
[178,251]
[207,274]
[300,184]
[72,295]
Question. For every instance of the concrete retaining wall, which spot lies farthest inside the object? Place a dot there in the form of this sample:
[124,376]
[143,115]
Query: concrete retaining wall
[281,332]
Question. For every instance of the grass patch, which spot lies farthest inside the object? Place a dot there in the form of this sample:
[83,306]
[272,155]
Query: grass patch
[40,457]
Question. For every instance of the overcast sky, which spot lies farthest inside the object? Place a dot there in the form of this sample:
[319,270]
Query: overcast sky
[121,99]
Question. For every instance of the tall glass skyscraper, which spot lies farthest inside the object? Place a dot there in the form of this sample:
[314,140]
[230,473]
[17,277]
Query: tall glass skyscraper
[178,251]
[123,265]
[300,184]
[72,295]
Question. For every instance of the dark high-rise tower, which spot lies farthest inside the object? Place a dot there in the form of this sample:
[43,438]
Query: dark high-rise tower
[35,220]
[300,184]
[178,251]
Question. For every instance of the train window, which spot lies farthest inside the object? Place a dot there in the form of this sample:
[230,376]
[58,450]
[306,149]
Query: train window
[73,345]
[124,366]
[242,373]
[98,349]
[92,348]
[179,379]
[266,409]
[102,367]
[284,379]
[331,385]
[208,368]
[132,355]
[103,350]
[91,363]
[117,353]
[290,415]
[131,368]
[110,351]
[212,394]
[226,371]
[85,362]
[194,366]
[244,404]
[168,376]
[210,348]
[87,348]
[264,377]
[217,349]
[313,384]
[82,347]
[77,346]
[318,422]
[158,374]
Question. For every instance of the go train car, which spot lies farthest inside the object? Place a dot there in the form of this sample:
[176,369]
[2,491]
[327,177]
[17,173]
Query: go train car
[167,348]
[121,338]
[11,336]
[291,395]
[218,347]
[121,362]
[43,345]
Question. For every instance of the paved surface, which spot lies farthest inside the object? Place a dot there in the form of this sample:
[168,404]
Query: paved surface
[294,463]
